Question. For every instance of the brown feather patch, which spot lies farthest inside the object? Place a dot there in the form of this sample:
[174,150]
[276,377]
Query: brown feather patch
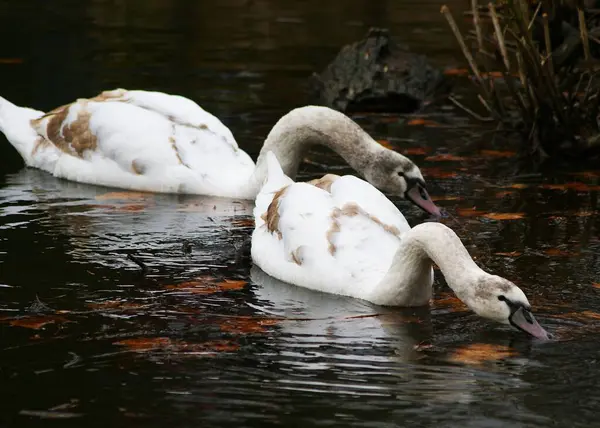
[296,257]
[335,228]
[271,217]
[324,182]
[351,209]
[73,138]
[174,147]
[137,167]
[40,142]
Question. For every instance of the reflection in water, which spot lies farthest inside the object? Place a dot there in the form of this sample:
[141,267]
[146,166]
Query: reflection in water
[204,339]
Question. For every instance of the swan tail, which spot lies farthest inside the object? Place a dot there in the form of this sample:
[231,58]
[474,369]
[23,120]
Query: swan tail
[15,124]
[275,180]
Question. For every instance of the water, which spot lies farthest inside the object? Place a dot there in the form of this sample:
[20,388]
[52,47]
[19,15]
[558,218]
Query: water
[204,339]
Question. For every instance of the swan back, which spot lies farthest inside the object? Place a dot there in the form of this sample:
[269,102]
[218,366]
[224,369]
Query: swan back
[177,109]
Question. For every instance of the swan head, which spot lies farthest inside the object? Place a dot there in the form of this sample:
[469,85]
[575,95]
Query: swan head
[393,173]
[498,299]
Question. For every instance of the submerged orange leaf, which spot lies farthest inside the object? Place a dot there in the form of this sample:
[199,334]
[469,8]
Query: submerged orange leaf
[498,153]
[456,72]
[193,287]
[584,213]
[469,212]
[478,353]
[493,74]
[130,208]
[577,186]
[37,322]
[504,216]
[444,157]
[509,254]
[221,346]
[438,173]
[558,252]
[518,186]
[231,284]
[583,316]
[123,195]
[446,198]
[422,122]
[246,325]
[207,285]
[591,315]
[11,60]
[596,285]
[144,343]
[449,301]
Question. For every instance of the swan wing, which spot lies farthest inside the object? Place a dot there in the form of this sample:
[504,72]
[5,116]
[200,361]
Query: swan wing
[177,109]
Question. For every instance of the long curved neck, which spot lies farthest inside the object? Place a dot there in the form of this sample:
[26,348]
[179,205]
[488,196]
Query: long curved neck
[408,281]
[305,126]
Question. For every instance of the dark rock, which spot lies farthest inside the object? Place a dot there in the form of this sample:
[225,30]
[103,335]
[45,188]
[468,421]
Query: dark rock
[378,74]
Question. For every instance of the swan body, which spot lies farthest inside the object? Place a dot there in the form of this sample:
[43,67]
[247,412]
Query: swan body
[341,235]
[156,142]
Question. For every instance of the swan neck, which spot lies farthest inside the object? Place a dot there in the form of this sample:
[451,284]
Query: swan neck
[301,128]
[441,245]
[409,278]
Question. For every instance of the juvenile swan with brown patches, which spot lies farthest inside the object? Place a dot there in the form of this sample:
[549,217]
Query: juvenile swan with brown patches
[353,241]
[151,141]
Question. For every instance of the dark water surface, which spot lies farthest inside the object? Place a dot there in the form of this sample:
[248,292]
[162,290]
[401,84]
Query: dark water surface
[203,339]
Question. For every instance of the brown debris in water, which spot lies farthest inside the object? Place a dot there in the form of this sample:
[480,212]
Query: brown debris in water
[504,216]
[445,157]
[36,322]
[146,344]
[479,353]
[246,324]
[127,195]
[207,285]
[451,302]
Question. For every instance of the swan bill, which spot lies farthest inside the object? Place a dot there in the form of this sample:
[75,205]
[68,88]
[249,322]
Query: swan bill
[419,196]
[524,320]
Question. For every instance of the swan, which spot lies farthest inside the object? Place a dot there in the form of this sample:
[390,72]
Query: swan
[156,142]
[339,234]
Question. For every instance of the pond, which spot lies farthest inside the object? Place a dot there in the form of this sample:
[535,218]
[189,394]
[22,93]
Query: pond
[201,338]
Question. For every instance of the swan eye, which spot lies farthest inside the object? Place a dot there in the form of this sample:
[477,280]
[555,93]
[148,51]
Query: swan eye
[502,298]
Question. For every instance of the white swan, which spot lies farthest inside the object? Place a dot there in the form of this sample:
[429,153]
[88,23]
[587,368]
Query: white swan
[151,141]
[341,235]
